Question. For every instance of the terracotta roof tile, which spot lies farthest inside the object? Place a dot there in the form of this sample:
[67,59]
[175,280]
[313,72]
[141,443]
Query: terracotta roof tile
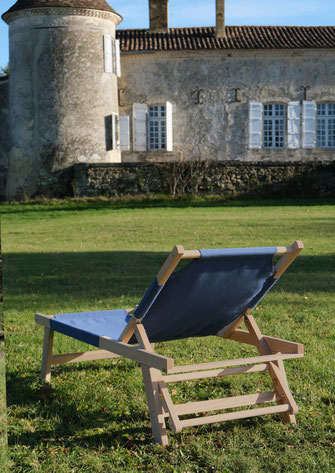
[237,37]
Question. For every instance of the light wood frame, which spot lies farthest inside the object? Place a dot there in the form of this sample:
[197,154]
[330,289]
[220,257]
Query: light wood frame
[272,352]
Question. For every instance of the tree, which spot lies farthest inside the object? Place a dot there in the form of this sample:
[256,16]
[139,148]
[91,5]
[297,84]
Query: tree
[4,71]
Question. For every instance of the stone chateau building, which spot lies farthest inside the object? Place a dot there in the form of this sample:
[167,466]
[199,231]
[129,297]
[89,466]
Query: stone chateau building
[80,91]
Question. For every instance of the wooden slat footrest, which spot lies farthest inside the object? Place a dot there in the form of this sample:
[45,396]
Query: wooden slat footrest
[84,356]
[235,415]
[226,403]
[216,373]
[236,362]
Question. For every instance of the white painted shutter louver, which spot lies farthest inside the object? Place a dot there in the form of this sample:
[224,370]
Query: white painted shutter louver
[293,125]
[113,56]
[124,133]
[108,55]
[139,127]
[115,132]
[308,124]
[117,58]
[255,125]
[169,127]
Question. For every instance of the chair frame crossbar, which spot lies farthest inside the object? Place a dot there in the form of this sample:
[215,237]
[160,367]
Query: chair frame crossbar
[272,352]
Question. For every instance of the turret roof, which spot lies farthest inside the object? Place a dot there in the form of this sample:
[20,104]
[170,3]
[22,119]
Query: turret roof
[87,4]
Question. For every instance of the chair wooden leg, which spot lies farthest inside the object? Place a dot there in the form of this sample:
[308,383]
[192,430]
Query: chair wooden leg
[151,384]
[276,370]
[285,416]
[151,379]
[47,354]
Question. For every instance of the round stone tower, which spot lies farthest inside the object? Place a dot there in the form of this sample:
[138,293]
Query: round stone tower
[63,95]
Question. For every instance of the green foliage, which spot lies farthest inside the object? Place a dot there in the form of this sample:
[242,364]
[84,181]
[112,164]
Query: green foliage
[4,71]
[65,256]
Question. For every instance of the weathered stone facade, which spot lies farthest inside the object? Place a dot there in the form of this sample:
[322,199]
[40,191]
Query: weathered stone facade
[59,94]
[217,128]
[201,177]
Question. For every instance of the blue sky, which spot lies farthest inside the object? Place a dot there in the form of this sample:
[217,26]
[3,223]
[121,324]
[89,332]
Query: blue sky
[202,13]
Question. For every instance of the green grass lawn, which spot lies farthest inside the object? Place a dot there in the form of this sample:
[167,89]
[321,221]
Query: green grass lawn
[3,409]
[3,416]
[78,256]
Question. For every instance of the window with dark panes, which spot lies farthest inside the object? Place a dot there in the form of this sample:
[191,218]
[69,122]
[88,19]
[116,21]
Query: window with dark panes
[325,125]
[273,126]
[157,127]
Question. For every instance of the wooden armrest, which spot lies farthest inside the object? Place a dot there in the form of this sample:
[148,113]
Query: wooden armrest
[140,355]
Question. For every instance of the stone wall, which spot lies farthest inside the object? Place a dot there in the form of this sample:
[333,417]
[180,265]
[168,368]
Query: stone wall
[200,177]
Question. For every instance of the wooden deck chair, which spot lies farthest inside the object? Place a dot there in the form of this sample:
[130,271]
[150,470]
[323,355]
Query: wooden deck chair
[212,295]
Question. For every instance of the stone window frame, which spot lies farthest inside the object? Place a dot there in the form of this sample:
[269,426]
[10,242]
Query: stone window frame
[273,119]
[141,127]
[329,119]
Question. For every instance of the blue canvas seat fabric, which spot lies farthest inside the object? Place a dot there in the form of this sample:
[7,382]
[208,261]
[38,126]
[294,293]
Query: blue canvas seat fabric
[197,301]
[89,326]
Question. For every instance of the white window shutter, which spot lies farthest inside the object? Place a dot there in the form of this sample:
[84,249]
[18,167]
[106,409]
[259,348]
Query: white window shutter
[169,126]
[255,125]
[113,56]
[308,124]
[115,132]
[124,133]
[293,125]
[108,54]
[117,58]
[139,127]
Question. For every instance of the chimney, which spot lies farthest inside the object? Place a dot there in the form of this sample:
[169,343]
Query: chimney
[159,15]
[220,19]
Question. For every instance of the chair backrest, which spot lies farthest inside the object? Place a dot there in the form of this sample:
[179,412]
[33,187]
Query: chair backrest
[207,294]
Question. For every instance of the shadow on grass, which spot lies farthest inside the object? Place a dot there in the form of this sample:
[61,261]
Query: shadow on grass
[86,277]
[142,202]
[92,428]
[70,426]
[79,276]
